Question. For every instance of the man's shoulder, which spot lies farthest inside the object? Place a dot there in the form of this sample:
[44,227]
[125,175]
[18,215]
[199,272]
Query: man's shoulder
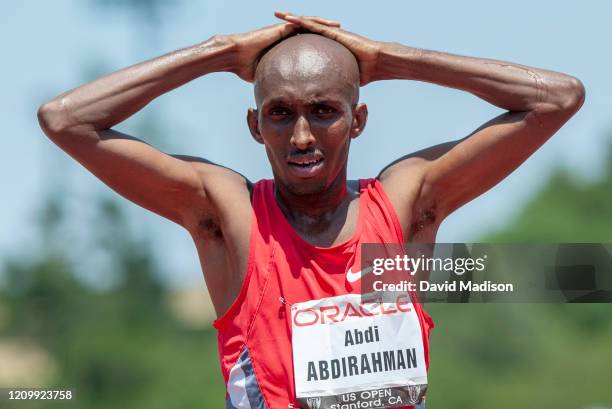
[358,184]
[219,178]
[224,188]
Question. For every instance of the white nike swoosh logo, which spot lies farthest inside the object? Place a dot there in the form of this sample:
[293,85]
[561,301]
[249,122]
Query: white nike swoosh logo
[351,277]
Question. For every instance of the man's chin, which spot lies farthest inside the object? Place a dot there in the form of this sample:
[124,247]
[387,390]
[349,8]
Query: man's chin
[306,187]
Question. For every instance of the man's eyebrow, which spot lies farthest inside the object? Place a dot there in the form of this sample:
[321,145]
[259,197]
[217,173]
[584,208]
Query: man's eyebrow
[310,101]
[275,101]
[321,101]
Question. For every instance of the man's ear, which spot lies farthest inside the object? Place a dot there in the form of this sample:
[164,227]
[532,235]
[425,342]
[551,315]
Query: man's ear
[360,118]
[253,121]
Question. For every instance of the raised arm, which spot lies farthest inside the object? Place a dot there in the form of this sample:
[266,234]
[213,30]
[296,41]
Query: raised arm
[538,102]
[428,185]
[80,121]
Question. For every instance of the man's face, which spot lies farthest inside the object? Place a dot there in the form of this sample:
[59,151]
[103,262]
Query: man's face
[307,114]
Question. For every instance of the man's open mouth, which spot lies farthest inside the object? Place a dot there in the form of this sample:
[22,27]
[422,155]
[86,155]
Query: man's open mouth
[306,166]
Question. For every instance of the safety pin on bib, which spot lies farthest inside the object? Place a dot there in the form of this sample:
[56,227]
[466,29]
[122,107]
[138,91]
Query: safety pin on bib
[284,301]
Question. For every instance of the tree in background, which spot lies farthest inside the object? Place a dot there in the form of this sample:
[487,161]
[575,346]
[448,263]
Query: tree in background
[117,348]
[565,211]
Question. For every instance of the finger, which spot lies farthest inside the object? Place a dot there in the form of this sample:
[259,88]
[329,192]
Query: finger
[282,29]
[287,29]
[278,26]
[287,17]
[311,25]
[321,20]
[298,20]
[281,14]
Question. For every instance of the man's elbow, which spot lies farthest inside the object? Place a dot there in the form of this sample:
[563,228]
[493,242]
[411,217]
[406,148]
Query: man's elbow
[575,95]
[568,95]
[52,118]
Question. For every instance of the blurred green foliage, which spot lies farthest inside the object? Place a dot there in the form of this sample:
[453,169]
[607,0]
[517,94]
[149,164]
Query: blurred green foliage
[565,210]
[119,348]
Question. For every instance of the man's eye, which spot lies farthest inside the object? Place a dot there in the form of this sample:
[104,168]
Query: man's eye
[279,112]
[324,110]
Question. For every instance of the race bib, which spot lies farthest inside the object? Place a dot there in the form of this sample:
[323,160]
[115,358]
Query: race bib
[353,355]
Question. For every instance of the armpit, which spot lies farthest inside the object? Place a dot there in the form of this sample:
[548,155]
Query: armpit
[209,228]
[423,218]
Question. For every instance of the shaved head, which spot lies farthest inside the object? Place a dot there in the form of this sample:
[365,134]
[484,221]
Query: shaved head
[309,58]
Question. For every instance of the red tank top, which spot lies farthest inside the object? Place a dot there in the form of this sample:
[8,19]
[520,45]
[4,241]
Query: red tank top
[255,334]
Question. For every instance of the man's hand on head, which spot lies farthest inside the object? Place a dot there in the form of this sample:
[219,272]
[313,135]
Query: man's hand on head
[366,50]
[247,47]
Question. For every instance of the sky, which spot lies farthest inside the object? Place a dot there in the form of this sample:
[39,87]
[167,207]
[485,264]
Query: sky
[49,47]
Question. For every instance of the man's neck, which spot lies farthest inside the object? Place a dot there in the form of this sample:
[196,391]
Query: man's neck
[316,212]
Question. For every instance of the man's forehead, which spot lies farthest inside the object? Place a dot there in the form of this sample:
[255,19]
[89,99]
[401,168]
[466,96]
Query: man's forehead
[327,88]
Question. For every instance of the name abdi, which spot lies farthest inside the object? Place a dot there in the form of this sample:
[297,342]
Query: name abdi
[357,337]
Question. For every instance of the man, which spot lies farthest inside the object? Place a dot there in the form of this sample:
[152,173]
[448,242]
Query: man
[280,257]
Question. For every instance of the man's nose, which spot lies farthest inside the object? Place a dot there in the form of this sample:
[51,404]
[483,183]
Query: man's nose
[302,138]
